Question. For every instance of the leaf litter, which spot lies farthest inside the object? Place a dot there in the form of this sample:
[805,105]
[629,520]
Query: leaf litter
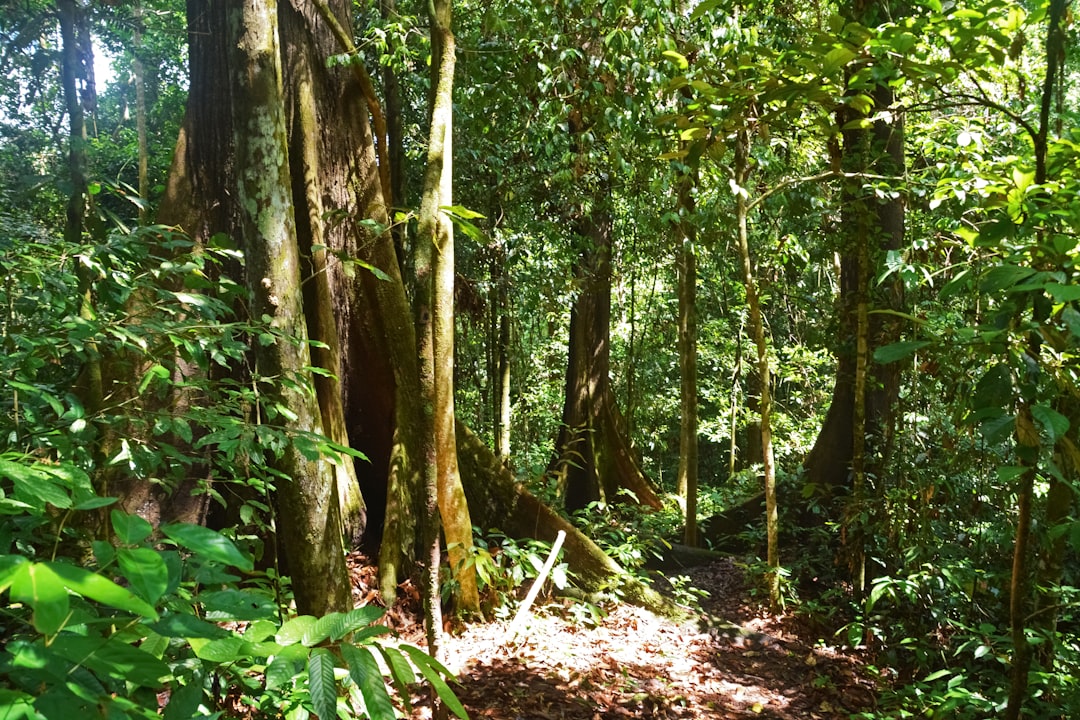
[571,663]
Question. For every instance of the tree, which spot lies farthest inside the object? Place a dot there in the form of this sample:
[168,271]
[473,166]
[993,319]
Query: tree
[686,260]
[307,494]
[594,459]
[872,223]
[327,165]
[435,330]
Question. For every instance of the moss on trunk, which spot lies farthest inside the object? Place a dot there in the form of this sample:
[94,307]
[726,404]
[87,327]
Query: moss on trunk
[498,500]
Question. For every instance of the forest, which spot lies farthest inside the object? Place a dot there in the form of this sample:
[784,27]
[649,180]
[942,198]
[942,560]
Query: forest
[539,359]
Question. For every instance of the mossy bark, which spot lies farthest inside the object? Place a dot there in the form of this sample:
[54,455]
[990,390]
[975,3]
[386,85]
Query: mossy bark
[869,227]
[435,315]
[498,500]
[309,520]
[307,183]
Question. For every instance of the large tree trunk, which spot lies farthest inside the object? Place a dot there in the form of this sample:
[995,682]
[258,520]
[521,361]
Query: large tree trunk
[594,458]
[307,496]
[334,174]
[870,227]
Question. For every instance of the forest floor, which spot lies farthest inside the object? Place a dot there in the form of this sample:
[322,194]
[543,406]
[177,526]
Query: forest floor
[571,664]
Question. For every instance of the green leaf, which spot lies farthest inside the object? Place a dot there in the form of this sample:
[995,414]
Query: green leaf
[130,529]
[286,666]
[321,684]
[182,625]
[1071,317]
[295,630]
[881,586]
[1063,293]
[155,372]
[997,429]
[184,701]
[222,650]
[112,659]
[835,59]
[33,486]
[15,705]
[898,351]
[365,672]
[678,58]
[401,672]
[145,570]
[462,212]
[434,671]
[96,587]
[321,629]
[1055,424]
[10,566]
[237,605]
[95,503]
[994,389]
[155,644]
[209,544]
[356,619]
[39,587]
[1002,277]
[260,630]
[704,7]
[1008,473]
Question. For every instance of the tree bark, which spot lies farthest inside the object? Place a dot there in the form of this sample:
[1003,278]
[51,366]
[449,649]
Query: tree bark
[757,328]
[309,519]
[435,311]
[594,460]
[872,227]
[501,307]
[1027,449]
[319,294]
[688,392]
[71,72]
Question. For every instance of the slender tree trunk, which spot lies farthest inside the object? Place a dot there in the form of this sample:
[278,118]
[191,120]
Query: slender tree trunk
[309,518]
[71,72]
[1027,448]
[688,391]
[138,69]
[855,534]
[500,279]
[435,322]
[757,327]
[1027,436]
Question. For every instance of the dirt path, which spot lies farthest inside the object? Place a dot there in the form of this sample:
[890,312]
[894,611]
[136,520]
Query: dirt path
[631,664]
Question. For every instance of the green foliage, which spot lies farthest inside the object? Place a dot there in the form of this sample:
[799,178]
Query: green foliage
[628,533]
[133,625]
[505,566]
[107,613]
